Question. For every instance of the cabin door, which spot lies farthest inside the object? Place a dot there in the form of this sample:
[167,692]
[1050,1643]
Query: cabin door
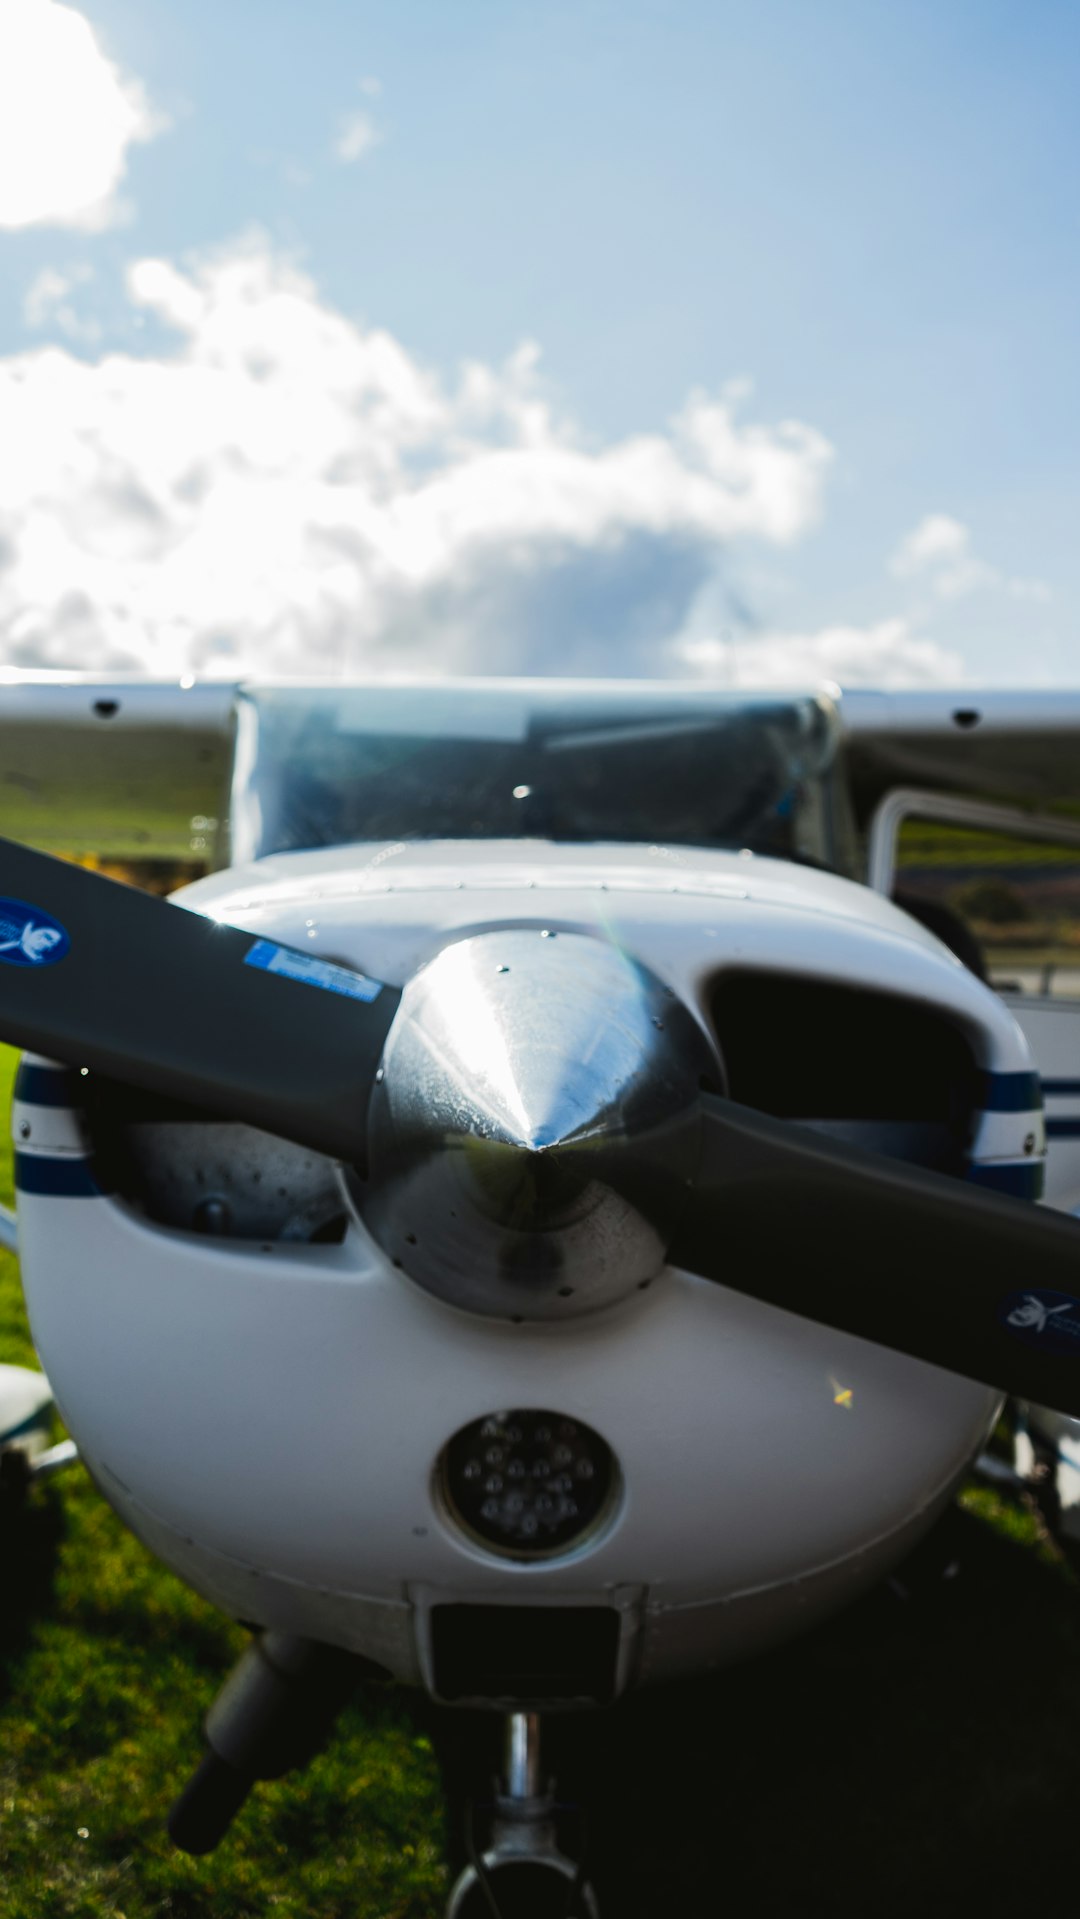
[1002,888]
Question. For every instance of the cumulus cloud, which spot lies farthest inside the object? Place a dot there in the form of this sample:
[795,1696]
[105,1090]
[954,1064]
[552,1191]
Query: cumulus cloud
[938,553]
[48,303]
[280,489]
[886,654]
[358,135]
[937,538]
[67,119]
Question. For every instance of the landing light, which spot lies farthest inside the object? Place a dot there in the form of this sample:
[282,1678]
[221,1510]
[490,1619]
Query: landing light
[529,1483]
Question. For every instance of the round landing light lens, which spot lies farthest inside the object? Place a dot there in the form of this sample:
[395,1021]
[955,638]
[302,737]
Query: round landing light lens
[533,1515]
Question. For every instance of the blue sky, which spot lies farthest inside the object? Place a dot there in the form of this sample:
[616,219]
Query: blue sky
[866,216]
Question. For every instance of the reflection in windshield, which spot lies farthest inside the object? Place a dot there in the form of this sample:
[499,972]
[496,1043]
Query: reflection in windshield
[336,766]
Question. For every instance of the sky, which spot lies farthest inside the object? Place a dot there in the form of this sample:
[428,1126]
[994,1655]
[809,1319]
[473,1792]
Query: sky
[733,340]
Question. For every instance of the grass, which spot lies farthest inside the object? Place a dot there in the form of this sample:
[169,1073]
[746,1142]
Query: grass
[142,792]
[935,843]
[913,1754]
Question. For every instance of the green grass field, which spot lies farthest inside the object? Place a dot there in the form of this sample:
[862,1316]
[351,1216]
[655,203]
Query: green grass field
[913,1755]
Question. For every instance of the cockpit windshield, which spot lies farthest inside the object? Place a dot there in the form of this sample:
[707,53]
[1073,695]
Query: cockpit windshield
[640,763]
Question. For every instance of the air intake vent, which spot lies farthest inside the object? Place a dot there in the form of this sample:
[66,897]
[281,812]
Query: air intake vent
[185,1168]
[802,1049]
[525,1655]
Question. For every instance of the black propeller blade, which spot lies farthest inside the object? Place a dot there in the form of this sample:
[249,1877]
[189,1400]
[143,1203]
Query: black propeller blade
[103,976]
[97,974]
[976,1282]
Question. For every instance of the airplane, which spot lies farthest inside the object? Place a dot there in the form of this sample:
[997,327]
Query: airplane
[26,1406]
[26,1413]
[537,1218]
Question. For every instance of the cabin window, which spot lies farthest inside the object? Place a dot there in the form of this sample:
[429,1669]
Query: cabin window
[525,760]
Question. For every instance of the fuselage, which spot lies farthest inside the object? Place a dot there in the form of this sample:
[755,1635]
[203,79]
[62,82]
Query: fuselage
[268,1411]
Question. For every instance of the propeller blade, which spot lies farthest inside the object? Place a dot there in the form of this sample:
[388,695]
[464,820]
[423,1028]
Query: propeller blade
[100,975]
[984,1285]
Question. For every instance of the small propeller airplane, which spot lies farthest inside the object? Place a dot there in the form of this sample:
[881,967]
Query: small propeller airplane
[537,1218]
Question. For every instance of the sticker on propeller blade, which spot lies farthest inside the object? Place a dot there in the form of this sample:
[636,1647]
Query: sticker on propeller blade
[311,971]
[29,937]
[1050,1321]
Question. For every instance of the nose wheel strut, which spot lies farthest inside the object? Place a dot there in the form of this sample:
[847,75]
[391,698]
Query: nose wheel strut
[278,1708]
[522,1873]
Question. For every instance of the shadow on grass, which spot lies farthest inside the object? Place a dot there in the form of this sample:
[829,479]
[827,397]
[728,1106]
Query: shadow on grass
[907,1755]
[32,1528]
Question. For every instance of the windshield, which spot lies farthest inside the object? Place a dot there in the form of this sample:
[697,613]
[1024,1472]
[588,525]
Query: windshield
[520,760]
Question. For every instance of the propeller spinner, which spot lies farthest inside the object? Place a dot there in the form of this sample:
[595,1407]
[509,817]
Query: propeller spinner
[533,1125]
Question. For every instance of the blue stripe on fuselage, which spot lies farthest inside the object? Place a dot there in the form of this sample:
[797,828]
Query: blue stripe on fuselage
[1022,1179]
[1012,1093]
[45,1086]
[68,1178]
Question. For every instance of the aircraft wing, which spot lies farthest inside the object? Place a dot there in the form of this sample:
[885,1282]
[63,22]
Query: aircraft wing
[137,769]
[121,769]
[1021,749]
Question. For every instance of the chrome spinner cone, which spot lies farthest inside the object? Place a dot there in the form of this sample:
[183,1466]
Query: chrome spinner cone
[534,1125]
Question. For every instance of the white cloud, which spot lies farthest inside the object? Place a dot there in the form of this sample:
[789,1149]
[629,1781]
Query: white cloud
[357,135]
[1036,591]
[887,654]
[67,119]
[48,303]
[283,490]
[938,538]
[939,553]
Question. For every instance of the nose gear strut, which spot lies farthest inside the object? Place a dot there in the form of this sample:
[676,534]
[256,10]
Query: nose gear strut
[522,1873]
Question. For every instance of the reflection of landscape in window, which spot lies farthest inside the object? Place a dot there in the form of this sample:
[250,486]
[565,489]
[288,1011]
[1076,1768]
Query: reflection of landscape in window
[1019,897]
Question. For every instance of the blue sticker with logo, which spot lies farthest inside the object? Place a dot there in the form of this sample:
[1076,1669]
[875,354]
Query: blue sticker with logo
[1048,1321]
[290,964]
[29,937]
